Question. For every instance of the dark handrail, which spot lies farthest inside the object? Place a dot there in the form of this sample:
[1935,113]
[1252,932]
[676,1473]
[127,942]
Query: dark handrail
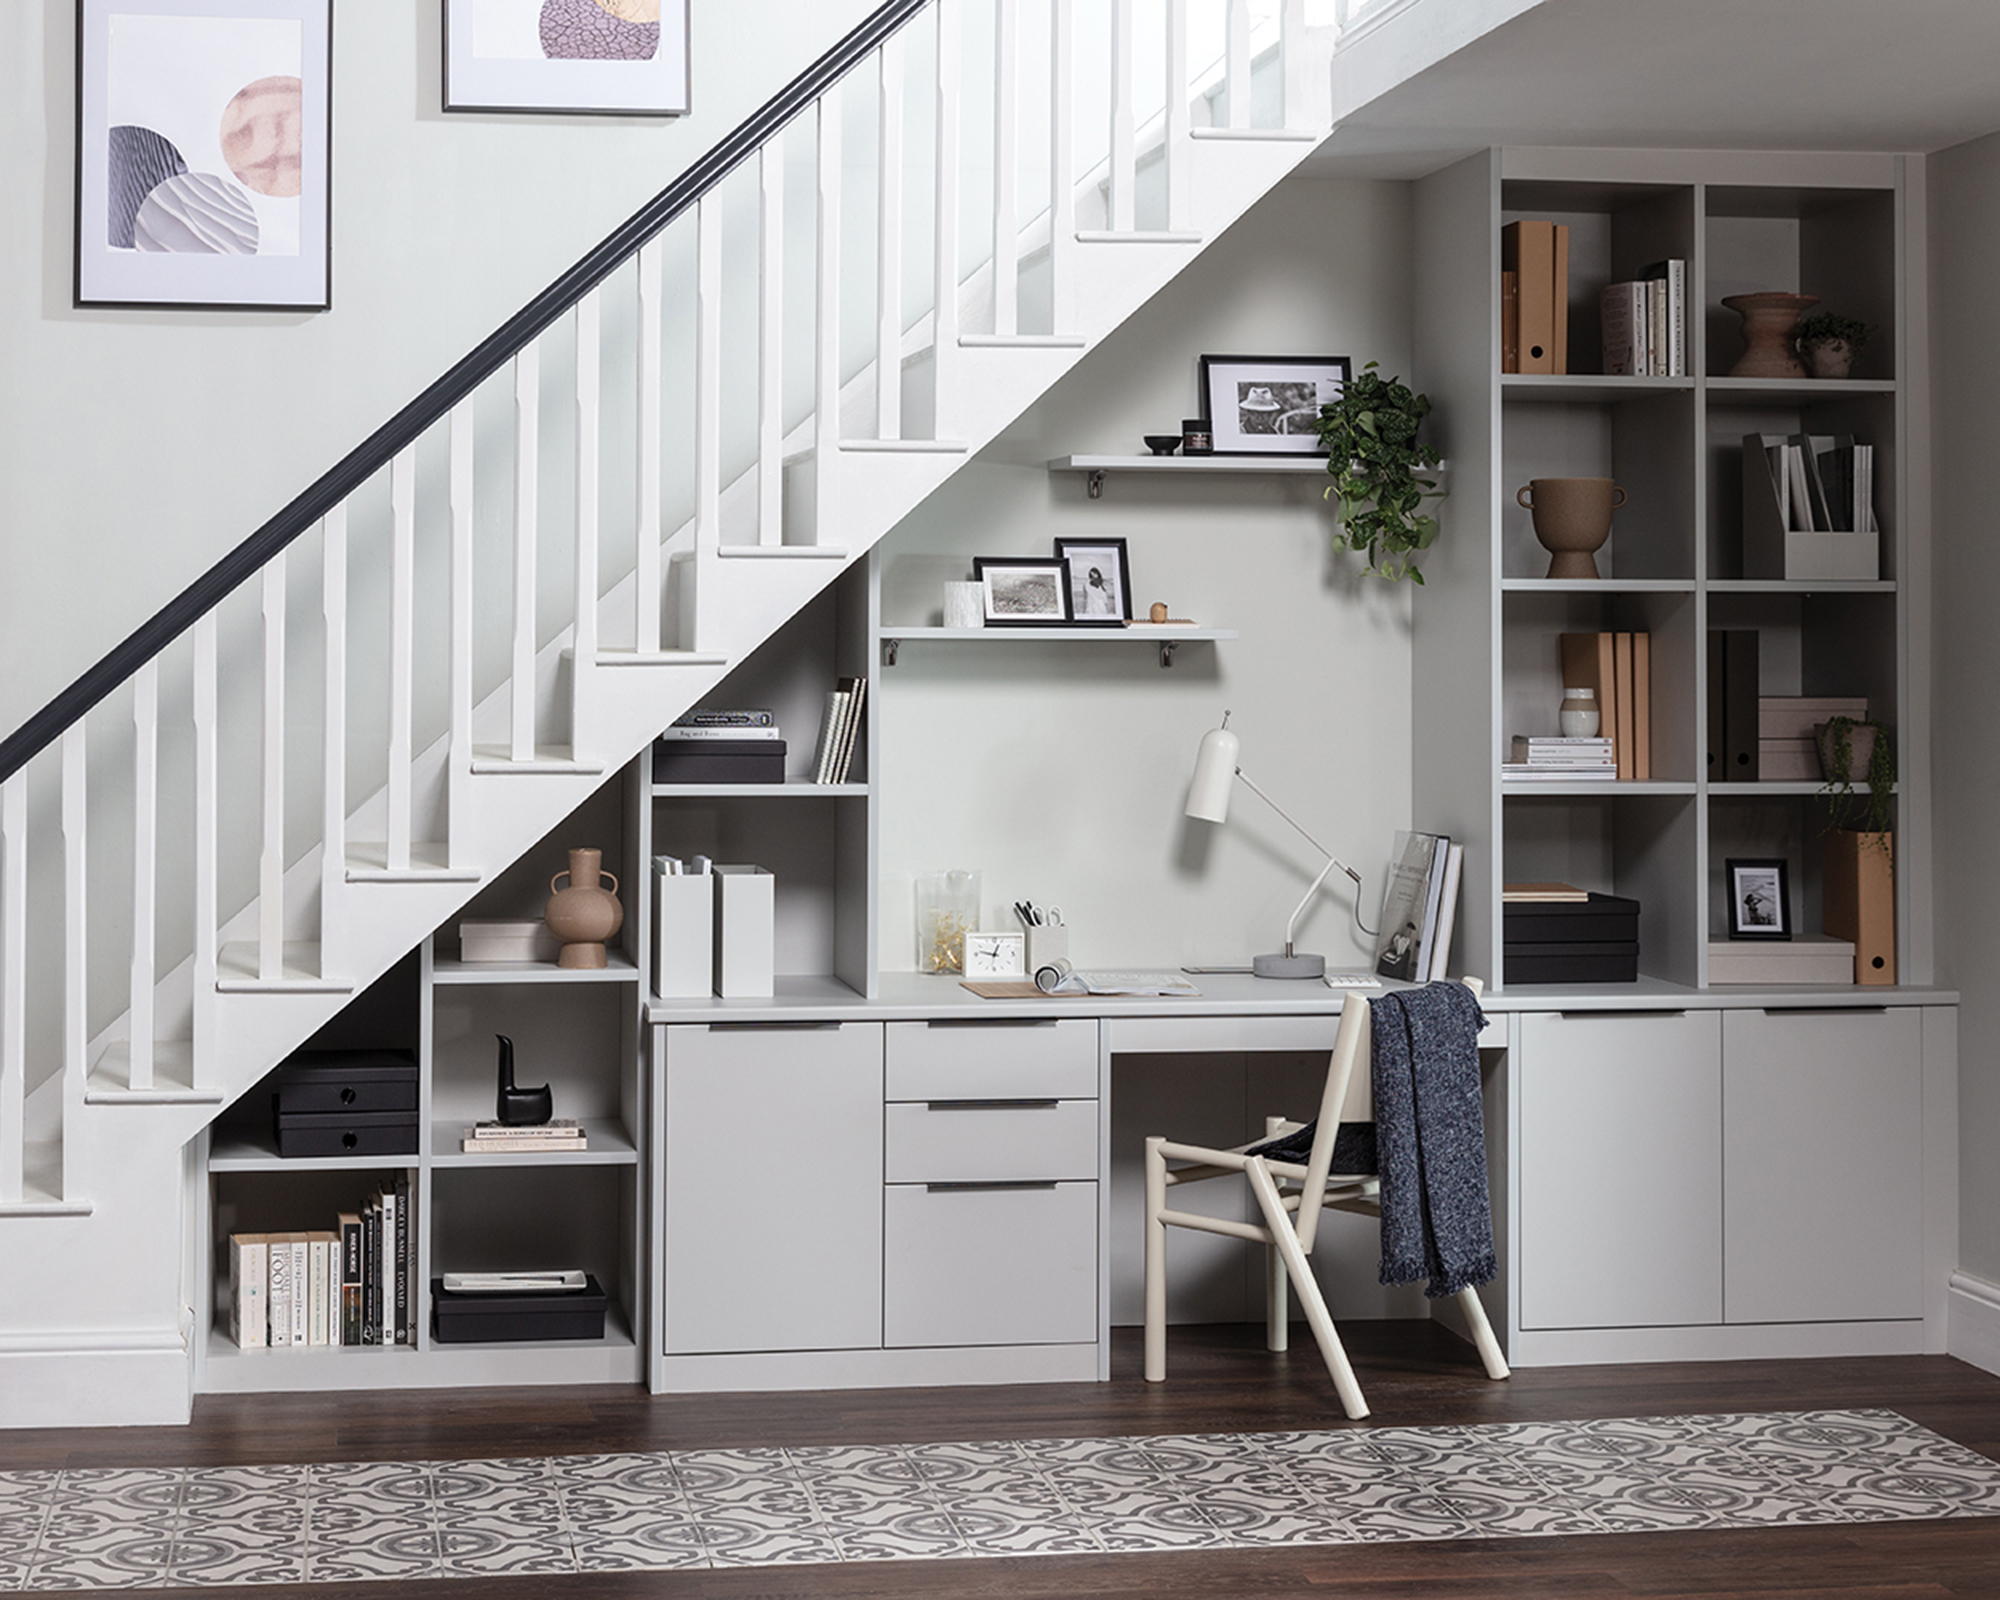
[372,454]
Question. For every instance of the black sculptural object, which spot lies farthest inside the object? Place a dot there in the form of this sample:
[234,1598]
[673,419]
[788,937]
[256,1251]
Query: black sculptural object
[519,1108]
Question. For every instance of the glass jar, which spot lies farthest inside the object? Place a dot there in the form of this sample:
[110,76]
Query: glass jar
[947,910]
[1579,716]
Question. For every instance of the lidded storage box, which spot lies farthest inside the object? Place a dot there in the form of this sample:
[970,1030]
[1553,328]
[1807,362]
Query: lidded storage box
[1596,941]
[346,1102]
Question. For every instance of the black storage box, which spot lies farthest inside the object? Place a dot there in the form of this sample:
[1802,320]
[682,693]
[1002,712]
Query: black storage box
[1602,918]
[347,1133]
[346,1103]
[1606,961]
[511,1318]
[719,761]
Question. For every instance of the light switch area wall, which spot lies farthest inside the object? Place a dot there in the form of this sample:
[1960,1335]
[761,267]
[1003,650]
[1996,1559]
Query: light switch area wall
[1060,770]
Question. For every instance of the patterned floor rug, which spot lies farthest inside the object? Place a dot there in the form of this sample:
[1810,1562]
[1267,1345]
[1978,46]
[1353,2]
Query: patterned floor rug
[109,1528]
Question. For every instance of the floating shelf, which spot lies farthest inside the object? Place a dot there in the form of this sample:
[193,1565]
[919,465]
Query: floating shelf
[1095,467]
[1802,585]
[1585,388]
[1802,390]
[1164,635]
[620,970]
[241,1151]
[791,789]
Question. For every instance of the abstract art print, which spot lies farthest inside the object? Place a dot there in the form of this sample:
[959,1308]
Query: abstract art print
[1269,405]
[204,132]
[626,57]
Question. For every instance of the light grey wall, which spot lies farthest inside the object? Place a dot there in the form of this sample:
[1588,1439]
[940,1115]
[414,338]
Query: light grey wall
[137,447]
[1965,253]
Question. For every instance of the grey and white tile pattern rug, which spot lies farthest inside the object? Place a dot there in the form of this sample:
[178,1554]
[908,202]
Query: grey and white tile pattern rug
[105,1528]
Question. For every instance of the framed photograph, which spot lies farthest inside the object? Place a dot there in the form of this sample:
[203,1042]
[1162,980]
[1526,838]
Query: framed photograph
[203,143]
[1760,900]
[607,57]
[1023,591]
[1269,405]
[1100,585]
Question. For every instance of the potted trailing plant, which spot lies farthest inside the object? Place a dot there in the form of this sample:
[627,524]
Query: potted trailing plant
[1378,468]
[1858,857]
[1830,342]
[1851,749]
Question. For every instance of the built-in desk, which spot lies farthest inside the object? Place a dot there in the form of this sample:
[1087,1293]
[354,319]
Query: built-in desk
[897,1190]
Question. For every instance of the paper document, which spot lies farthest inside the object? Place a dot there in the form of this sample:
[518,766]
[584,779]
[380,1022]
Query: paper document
[1126,983]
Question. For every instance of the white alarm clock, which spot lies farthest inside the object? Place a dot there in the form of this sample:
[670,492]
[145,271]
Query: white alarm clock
[995,955]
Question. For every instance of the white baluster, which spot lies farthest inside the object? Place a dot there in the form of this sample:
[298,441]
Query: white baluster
[826,354]
[1124,154]
[13,982]
[402,650]
[458,775]
[771,344]
[271,857]
[889,245]
[1006,170]
[1062,167]
[333,739]
[1292,42]
[76,937]
[589,397]
[1179,149]
[207,927]
[944,287]
[527,489]
[145,865]
[707,382]
[646,559]
[1237,71]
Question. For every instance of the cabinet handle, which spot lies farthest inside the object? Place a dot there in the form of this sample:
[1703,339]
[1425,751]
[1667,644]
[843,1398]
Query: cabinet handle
[768,1027]
[1634,1011]
[971,1188]
[991,1022]
[1826,1011]
[992,1105]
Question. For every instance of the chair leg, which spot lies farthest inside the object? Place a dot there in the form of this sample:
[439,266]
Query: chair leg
[1279,1221]
[1482,1333]
[1277,1307]
[1156,1263]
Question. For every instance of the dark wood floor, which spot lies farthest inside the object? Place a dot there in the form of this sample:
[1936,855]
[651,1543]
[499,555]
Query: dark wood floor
[1221,1380]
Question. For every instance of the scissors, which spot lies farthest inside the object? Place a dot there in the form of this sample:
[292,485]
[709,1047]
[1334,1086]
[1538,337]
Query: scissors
[1053,916]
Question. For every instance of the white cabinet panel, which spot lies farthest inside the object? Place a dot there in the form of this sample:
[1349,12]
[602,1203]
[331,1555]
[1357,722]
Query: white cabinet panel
[1054,1059]
[1620,1162]
[998,1265]
[945,1141]
[1822,1165]
[773,1156]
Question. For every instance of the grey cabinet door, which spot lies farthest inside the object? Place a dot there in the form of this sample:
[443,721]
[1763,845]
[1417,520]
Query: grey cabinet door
[1822,1167]
[970,1266]
[1621,1170]
[773,1236]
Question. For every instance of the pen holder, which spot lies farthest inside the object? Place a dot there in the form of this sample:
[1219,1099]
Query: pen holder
[1046,945]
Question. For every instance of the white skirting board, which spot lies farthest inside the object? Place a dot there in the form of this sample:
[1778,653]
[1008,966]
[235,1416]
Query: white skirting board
[1972,1325]
[93,1380]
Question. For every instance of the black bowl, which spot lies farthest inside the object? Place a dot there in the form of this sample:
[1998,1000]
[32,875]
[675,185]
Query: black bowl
[1163,444]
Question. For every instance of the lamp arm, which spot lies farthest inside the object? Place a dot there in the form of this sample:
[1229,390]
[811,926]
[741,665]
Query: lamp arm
[1332,861]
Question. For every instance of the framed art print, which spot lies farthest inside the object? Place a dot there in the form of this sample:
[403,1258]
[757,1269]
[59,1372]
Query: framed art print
[203,151]
[1760,900]
[1023,591]
[1100,586]
[1269,405]
[619,57]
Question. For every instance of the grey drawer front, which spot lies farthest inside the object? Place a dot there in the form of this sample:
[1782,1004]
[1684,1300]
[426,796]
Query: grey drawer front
[1054,1060]
[990,1266]
[947,1142]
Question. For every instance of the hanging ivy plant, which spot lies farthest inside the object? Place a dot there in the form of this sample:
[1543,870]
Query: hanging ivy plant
[1378,468]
[1847,808]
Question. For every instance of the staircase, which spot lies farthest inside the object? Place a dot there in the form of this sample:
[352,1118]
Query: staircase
[320,752]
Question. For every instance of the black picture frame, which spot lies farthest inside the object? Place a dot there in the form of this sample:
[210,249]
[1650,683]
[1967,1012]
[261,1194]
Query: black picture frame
[1259,405]
[1085,557]
[1760,898]
[1020,601]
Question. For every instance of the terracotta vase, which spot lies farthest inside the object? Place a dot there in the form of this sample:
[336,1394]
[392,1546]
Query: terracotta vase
[1572,520]
[1830,358]
[585,914]
[1768,323]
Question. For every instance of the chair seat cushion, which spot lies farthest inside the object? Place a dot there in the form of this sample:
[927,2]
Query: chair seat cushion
[1353,1147]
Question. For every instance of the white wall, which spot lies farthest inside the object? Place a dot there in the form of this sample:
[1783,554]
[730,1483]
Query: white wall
[1965,252]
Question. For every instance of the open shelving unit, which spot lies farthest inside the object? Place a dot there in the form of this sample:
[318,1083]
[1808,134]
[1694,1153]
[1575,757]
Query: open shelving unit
[1826,225]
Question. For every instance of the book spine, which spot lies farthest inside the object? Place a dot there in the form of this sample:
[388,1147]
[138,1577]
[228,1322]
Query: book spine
[829,731]
[301,1290]
[1642,706]
[753,717]
[403,1259]
[679,735]
[520,1147]
[316,1275]
[850,735]
[279,1303]
[371,1327]
[249,1288]
[1622,672]
[1677,339]
[1510,322]
[1615,311]
[350,1278]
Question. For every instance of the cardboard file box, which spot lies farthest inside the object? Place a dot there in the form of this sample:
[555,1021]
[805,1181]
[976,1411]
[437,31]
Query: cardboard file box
[511,1318]
[745,928]
[507,941]
[683,935]
[1805,959]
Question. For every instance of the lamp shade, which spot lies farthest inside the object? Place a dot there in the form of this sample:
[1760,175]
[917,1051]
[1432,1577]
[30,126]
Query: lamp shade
[1214,774]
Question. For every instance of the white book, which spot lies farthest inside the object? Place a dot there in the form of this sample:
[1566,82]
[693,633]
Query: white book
[1619,308]
[850,730]
[1447,911]
[1433,900]
[301,1248]
[829,725]
[1405,900]
[249,1290]
[318,1262]
[680,735]
[388,1259]
[278,1303]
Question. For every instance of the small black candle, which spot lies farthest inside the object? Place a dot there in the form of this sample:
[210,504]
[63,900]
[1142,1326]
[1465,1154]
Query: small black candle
[1196,438]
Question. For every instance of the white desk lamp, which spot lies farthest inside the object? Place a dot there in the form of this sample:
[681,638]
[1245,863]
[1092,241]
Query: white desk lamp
[1215,769]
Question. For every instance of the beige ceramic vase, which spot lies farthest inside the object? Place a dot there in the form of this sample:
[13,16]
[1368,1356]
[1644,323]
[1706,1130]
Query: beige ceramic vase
[585,914]
[1768,324]
[1572,520]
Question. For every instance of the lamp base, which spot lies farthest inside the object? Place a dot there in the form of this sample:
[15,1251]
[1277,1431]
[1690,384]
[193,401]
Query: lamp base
[1282,966]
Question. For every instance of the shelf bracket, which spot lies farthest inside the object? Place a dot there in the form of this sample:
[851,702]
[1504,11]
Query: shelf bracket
[889,648]
[1167,651]
[1094,484]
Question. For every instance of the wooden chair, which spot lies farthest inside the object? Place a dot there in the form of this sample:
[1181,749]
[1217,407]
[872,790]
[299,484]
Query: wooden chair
[1289,1224]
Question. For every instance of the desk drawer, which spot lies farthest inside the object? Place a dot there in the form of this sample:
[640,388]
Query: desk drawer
[990,1266]
[947,1141]
[1054,1059]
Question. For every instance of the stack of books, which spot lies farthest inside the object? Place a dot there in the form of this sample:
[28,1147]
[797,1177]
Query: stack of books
[540,1138]
[1619,668]
[1645,323]
[839,730]
[1420,908]
[1546,760]
[1534,297]
[719,745]
[308,1290]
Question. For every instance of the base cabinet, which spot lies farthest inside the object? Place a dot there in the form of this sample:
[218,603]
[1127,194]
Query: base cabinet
[990,1263]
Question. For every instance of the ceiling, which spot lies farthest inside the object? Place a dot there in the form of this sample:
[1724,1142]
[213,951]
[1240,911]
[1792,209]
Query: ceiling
[1901,75]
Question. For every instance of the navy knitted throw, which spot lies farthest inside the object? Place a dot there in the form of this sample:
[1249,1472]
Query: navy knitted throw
[1437,1221]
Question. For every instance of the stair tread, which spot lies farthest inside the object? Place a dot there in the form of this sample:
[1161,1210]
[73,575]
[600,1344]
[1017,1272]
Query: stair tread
[546,759]
[173,1077]
[430,862]
[914,447]
[41,1185]
[1022,341]
[661,658]
[1267,135]
[237,973]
